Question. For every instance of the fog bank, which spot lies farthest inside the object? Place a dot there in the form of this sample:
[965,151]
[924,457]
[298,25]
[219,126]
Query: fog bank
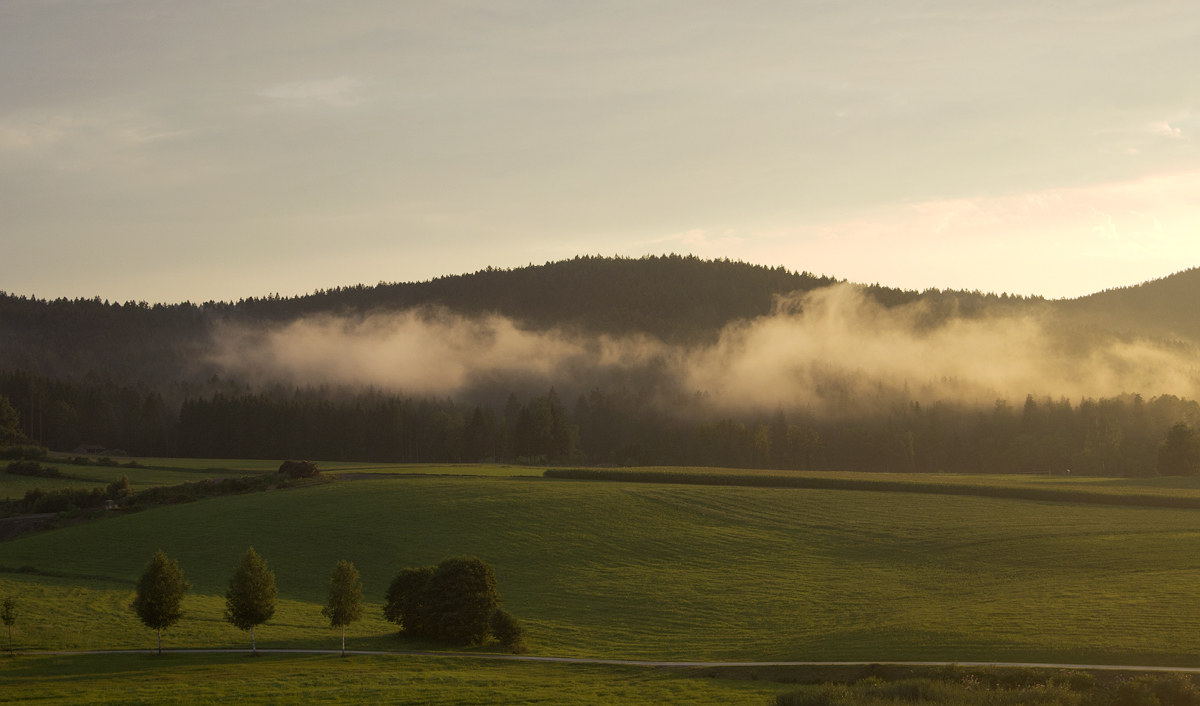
[829,351]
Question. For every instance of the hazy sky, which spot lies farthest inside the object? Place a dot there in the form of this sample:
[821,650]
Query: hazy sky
[211,150]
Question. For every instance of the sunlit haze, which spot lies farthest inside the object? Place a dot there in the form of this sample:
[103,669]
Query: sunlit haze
[165,151]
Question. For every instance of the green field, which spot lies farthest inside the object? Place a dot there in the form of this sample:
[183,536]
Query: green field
[661,571]
[303,679]
[173,471]
[1106,488]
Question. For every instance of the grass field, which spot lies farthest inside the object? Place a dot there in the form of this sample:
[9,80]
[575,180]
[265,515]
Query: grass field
[1083,487]
[303,679]
[173,471]
[661,571]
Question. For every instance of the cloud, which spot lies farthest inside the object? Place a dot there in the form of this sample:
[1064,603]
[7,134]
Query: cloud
[24,135]
[830,351]
[1162,127]
[341,92]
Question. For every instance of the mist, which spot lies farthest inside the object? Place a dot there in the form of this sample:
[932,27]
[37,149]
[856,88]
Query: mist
[832,351]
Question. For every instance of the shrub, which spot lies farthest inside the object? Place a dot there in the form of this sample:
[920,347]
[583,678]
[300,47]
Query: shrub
[1080,681]
[53,502]
[118,488]
[507,630]
[1136,692]
[106,461]
[63,499]
[24,452]
[32,468]
[1176,690]
[299,469]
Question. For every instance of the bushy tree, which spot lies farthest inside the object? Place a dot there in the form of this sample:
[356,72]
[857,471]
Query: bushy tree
[1179,453]
[160,592]
[250,598]
[345,598]
[460,599]
[8,614]
[405,599]
[453,601]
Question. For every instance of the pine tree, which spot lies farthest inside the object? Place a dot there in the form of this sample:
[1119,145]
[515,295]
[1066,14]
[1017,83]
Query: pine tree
[250,598]
[160,592]
[345,598]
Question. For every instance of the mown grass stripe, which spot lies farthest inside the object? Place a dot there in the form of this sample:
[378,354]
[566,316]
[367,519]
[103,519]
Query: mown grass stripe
[815,483]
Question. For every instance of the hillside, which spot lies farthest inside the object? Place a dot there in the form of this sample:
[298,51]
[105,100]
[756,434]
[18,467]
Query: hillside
[674,298]
[1162,308]
[681,300]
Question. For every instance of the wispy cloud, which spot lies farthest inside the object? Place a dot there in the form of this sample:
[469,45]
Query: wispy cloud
[341,92]
[1162,127]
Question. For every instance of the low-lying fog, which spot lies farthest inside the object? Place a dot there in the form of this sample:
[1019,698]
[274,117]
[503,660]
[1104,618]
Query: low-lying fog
[821,351]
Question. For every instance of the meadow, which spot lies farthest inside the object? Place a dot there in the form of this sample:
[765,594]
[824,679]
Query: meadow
[304,679]
[658,571]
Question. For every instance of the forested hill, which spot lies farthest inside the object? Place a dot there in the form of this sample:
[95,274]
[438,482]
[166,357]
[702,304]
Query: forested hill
[1162,308]
[671,297]
[681,299]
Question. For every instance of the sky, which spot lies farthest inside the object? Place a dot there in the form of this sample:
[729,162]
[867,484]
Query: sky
[169,150]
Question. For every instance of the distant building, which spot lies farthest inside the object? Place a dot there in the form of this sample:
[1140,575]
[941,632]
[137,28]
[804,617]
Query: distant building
[89,449]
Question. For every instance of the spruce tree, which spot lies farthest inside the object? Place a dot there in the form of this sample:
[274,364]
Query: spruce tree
[250,598]
[160,592]
[345,598]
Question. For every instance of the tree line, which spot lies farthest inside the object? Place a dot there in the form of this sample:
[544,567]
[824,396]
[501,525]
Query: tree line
[1114,436]
[456,601]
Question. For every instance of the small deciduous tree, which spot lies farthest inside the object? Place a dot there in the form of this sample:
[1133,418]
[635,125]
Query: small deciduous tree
[8,614]
[160,592]
[250,598]
[345,598]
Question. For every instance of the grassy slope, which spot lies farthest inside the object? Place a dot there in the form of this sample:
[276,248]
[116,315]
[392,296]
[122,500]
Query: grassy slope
[277,679]
[609,569]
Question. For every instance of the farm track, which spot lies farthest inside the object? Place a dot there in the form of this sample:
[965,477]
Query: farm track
[625,662]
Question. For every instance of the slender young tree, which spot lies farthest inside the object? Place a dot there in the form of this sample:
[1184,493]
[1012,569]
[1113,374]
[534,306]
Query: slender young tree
[8,614]
[250,598]
[345,598]
[160,592]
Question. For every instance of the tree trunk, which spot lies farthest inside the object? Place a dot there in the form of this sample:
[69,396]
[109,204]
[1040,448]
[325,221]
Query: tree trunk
[343,640]
[253,648]
[160,642]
